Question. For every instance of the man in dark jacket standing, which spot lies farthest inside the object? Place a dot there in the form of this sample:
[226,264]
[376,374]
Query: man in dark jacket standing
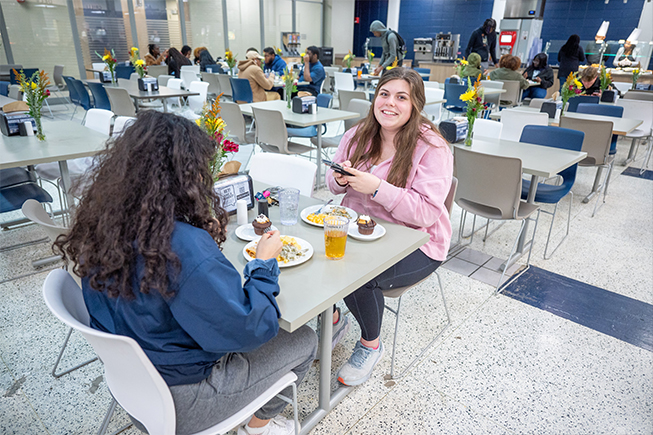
[484,42]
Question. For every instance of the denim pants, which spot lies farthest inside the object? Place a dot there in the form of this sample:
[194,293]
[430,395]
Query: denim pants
[534,92]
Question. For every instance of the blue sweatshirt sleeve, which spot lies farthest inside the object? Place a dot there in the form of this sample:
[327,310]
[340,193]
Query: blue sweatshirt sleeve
[221,314]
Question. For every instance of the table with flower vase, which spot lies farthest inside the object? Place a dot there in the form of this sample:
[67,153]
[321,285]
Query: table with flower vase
[322,116]
[6,100]
[135,93]
[311,288]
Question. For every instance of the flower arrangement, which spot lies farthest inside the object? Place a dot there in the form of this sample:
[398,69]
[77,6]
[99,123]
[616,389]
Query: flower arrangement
[289,79]
[636,73]
[35,91]
[231,60]
[370,56]
[139,64]
[570,88]
[475,105]
[459,65]
[605,77]
[110,61]
[348,58]
[211,123]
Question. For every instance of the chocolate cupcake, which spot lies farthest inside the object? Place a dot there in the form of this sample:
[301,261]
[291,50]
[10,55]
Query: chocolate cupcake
[365,225]
[260,224]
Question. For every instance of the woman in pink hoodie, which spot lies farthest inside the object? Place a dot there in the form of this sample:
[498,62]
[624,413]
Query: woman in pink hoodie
[402,170]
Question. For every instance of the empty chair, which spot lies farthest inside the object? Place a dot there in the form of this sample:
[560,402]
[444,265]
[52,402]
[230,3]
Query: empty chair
[584,99]
[344,97]
[512,96]
[82,93]
[194,68]
[97,66]
[233,117]
[362,107]
[27,71]
[452,93]
[433,111]
[622,87]
[15,92]
[188,77]
[124,71]
[344,81]
[431,84]
[4,88]
[225,85]
[284,171]
[272,135]
[514,121]
[163,79]
[603,110]
[174,101]
[424,72]
[157,70]
[212,69]
[536,103]
[323,100]
[241,90]
[638,109]
[486,128]
[134,77]
[72,92]
[123,83]
[13,197]
[196,102]
[494,193]
[120,124]
[639,95]
[554,137]
[100,97]
[214,85]
[121,102]
[99,120]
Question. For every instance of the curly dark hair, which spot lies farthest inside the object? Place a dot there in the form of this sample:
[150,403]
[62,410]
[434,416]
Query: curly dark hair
[156,173]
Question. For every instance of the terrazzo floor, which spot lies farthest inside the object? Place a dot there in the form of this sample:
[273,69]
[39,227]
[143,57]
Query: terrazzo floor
[502,367]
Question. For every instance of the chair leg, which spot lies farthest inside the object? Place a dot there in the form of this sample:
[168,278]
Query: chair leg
[74,111]
[49,110]
[601,190]
[647,157]
[294,405]
[107,420]
[571,200]
[512,252]
[63,348]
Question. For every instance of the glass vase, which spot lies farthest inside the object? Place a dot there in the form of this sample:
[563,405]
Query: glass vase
[564,104]
[39,126]
[288,98]
[470,131]
[113,78]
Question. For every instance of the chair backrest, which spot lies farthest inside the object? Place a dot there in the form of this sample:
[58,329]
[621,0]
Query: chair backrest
[196,102]
[622,87]
[585,99]
[448,201]
[15,92]
[536,103]
[513,92]
[344,97]
[27,71]
[99,120]
[124,71]
[57,76]
[174,84]
[134,77]
[423,71]
[212,68]
[430,84]
[212,80]
[82,93]
[487,128]
[188,77]
[241,90]
[514,120]
[598,136]
[225,85]
[123,83]
[121,102]
[324,100]
[163,79]
[97,66]
[121,123]
[638,109]
[362,107]
[233,117]
[157,70]
[492,182]
[271,129]
[452,93]
[194,68]
[492,84]
[134,382]
[100,97]
[643,96]
[601,109]
[343,81]
[4,88]
[433,110]
[284,171]
[72,90]
[34,211]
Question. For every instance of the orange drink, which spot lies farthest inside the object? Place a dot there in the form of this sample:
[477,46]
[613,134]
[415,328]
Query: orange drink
[335,236]
[360,73]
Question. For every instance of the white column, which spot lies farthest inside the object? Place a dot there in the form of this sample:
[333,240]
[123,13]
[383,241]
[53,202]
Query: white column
[646,26]
[393,14]
[340,35]
[498,9]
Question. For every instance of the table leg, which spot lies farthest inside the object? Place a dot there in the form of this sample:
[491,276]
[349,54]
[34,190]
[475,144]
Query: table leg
[595,187]
[65,184]
[318,182]
[521,244]
[165,105]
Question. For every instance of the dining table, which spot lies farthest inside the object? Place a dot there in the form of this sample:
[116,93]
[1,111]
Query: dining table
[311,288]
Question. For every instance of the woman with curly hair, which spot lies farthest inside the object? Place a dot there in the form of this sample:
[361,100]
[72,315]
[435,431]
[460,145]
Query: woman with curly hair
[146,242]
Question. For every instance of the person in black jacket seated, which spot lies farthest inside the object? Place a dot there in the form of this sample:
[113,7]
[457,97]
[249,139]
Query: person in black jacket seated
[589,77]
[146,241]
[175,61]
[540,72]
[484,42]
[569,57]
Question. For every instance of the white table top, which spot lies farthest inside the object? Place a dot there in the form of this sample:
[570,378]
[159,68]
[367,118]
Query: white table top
[536,159]
[322,116]
[64,140]
[622,126]
[309,288]
[493,91]
[132,87]
[6,100]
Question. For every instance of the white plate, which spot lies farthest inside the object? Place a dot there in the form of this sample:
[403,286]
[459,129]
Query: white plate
[304,258]
[313,208]
[246,232]
[379,231]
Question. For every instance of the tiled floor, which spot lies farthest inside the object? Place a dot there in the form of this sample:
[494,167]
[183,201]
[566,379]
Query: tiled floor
[502,367]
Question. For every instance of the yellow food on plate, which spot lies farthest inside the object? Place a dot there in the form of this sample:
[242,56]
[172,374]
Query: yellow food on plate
[334,211]
[291,250]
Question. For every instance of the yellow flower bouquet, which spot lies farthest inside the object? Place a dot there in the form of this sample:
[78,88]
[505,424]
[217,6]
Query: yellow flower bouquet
[289,79]
[606,78]
[475,106]
[348,58]
[370,56]
[231,60]
[459,65]
[35,91]
[212,124]
[139,64]
[570,88]
[109,59]
[636,73]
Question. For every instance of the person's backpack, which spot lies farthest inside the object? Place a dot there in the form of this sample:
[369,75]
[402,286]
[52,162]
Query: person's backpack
[401,45]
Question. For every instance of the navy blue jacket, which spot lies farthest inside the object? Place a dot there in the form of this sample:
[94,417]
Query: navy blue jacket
[277,65]
[484,45]
[211,313]
[317,77]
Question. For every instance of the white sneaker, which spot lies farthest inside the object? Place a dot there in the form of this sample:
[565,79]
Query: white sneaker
[279,425]
[360,365]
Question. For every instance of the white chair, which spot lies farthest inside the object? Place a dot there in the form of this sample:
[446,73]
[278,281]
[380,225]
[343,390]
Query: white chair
[99,120]
[486,128]
[157,70]
[492,99]
[284,171]
[344,81]
[15,92]
[188,77]
[196,102]
[638,109]
[194,68]
[174,101]
[514,121]
[121,123]
[134,77]
[225,86]
[536,103]
[214,85]
[344,97]
[434,85]
[163,79]
[272,135]
[97,66]
[622,87]
[132,379]
[121,103]
[433,111]
[512,96]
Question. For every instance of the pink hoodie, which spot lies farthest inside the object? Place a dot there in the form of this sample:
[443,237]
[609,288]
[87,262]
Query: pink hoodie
[420,205]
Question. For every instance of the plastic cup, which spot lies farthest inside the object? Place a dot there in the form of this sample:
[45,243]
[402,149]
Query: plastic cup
[288,206]
[335,236]
[360,73]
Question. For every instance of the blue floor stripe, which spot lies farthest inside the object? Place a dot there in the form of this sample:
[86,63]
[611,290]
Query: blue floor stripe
[634,172]
[610,313]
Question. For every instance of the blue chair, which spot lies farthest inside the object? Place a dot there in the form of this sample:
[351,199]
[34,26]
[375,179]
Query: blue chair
[584,99]
[124,71]
[452,93]
[241,90]
[27,71]
[603,110]
[452,80]
[12,176]
[323,100]
[423,71]
[555,137]
[100,97]
[82,93]
[13,197]
[215,69]
[72,93]
[4,88]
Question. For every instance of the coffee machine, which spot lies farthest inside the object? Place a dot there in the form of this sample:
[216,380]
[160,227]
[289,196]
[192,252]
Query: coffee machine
[446,46]
[423,48]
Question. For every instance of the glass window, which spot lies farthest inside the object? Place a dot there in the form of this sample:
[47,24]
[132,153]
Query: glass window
[244,26]
[309,23]
[204,25]
[278,19]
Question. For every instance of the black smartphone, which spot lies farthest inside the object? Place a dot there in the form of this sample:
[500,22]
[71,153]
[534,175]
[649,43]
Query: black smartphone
[336,167]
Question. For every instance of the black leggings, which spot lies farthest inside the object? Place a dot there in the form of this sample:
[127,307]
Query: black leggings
[366,303]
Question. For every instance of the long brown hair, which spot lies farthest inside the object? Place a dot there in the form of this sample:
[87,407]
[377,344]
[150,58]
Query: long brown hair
[156,173]
[405,141]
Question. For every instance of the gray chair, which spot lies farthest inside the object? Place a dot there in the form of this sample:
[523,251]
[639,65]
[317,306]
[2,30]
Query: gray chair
[397,293]
[598,136]
[225,85]
[536,103]
[233,117]
[123,83]
[492,100]
[157,70]
[15,92]
[639,95]
[5,71]
[512,96]
[344,97]
[362,107]
[490,186]
[163,79]
[34,211]
[121,102]
[272,135]
[134,77]
[214,86]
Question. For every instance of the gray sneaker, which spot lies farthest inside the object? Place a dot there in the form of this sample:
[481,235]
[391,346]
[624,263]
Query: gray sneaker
[360,365]
[339,330]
